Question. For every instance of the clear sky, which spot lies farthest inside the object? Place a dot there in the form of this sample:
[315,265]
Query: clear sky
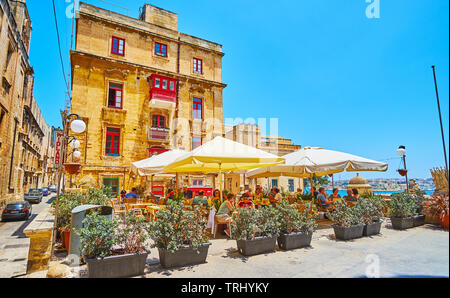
[333,77]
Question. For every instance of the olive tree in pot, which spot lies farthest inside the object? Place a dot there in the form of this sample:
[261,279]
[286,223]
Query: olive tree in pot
[349,223]
[180,236]
[255,230]
[418,197]
[402,209]
[371,209]
[296,228]
[114,248]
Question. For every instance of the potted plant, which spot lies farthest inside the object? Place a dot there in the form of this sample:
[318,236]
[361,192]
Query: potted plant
[180,236]
[255,230]
[371,209]
[349,223]
[114,249]
[417,198]
[437,207]
[402,211]
[67,202]
[296,228]
[72,168]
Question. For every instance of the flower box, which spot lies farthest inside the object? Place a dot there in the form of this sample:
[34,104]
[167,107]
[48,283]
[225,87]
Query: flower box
[72,168]
[294,241]
[117,266]
[259,245]
[402,223]
[185,256]
[419,220]
[372,228]
[348,233]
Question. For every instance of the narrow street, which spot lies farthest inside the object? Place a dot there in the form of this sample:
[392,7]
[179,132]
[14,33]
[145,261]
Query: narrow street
[14,244]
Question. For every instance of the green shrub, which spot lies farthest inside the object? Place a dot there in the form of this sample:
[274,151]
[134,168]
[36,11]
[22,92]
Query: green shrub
[132,233]
[293,221]
[345,216]
[175,227]
[250,223]
[67,202]
[402,205]
[371,208]
[98,236]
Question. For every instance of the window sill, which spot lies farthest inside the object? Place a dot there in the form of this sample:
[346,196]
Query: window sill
[162,58]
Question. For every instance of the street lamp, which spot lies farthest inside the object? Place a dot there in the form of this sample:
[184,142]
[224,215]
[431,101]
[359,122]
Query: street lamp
[401,151]
[77,125]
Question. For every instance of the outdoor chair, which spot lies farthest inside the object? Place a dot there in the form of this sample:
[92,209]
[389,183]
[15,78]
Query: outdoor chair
[217,222]
[117,207]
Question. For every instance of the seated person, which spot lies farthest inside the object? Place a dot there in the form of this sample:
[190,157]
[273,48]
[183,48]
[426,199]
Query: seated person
[335,195]
[350,197]
[188,194]
[355,194]
[132,194]
[245,202]
[322,199]
[201,199]
[278,197]
[225,210]
[170,194]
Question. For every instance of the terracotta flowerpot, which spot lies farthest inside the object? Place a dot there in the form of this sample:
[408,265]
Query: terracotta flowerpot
[72,168]
[65,238]
[402,172]
[443,220]
[432,219]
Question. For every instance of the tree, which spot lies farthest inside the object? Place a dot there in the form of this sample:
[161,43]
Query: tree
[318,181]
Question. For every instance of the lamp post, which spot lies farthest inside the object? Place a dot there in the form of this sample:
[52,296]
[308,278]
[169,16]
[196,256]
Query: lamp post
[401,151]
[78,126]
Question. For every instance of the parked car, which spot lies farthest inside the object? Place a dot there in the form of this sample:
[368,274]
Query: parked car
[45,192]
[17,211]
[52,188]
[34,195]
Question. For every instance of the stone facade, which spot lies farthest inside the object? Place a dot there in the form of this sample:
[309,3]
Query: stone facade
[23,132]
[96,65]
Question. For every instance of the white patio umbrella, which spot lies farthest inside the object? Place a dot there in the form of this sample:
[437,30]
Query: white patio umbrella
[309,161]
[156,164]
[221,155]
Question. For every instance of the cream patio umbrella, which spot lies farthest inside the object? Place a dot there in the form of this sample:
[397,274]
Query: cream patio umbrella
[309,161]
[221,155]
[156,164]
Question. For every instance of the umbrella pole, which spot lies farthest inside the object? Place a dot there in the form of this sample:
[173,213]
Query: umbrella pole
[176,184]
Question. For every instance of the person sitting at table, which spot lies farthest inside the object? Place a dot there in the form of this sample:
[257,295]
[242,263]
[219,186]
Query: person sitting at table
[258,194]
[245,202]
[200,199]
[322,199]
[132,194]
[298,192]
[355,194]
[278,197]
[224,212]
[216,197]
[123,193]
[314,192]
[170,194]
[335,195]
[188,194]
[249,192]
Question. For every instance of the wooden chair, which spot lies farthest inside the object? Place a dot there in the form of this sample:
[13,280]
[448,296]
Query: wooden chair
[130,201]
[219,221]
[117,208]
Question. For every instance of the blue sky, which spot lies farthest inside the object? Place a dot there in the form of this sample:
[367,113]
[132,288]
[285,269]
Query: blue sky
[333,77]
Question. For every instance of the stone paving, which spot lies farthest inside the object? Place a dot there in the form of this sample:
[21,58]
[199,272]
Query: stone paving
[418,252]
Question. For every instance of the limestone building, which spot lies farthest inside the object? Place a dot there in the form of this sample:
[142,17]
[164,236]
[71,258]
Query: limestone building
[143,88]
[22,127]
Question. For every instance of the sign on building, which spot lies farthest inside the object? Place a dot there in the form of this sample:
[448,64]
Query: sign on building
[59,149]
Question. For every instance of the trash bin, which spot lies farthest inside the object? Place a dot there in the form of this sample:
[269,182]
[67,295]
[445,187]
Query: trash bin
[78,215]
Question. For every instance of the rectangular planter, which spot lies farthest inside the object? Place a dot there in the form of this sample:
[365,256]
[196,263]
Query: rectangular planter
[402,223]
[117,266]
[348,233]
[372,229]
[293,241]
[259,245]
[419,220]
[185,256]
